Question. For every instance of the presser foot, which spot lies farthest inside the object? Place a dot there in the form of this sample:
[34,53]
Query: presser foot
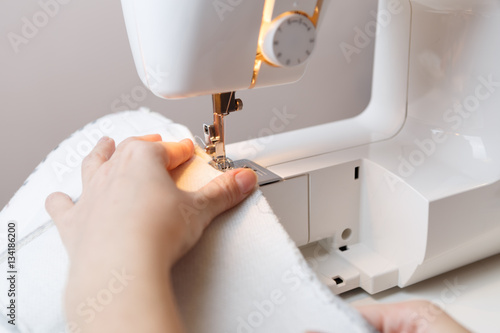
[222,164]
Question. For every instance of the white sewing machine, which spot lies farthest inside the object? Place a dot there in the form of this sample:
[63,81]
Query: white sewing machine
[408,189]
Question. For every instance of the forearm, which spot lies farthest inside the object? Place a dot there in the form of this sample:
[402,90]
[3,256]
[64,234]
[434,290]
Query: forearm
[127,299]
[147,305]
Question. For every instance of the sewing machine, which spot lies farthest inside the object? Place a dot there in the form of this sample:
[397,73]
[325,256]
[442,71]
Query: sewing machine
[408,189]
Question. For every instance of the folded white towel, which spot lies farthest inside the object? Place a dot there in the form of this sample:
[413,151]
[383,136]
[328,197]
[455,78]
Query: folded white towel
[245,275]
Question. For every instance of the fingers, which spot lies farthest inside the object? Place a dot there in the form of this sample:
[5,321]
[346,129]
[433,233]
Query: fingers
[57,205]
[101,153]
[375,315]
[147,138]
[172,154]
[411,316]
[225,192]
[177,153]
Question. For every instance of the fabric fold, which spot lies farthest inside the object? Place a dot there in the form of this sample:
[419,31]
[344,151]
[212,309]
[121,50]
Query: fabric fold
[245,274]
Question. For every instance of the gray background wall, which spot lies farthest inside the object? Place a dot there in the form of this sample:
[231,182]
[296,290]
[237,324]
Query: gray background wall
[78,65]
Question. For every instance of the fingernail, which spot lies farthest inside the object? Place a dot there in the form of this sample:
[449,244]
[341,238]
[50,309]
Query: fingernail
[103,139]
[246,180]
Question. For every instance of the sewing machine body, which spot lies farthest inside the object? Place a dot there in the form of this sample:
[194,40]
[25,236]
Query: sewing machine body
[408,189]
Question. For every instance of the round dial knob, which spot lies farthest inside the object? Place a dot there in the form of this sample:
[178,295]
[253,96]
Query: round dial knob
[289,41]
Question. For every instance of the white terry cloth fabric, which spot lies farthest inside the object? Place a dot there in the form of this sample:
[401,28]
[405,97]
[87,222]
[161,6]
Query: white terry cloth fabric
[245,275]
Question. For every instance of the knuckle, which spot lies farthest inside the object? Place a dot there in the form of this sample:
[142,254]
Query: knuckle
[156,149]
[126,144]
[142,149]
[131,144]
[229,191]
[196,211]
[127,141]
[92,157]
[133,149]
[88,159]
[136,148]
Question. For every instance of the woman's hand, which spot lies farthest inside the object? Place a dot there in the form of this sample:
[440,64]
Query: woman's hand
[130,219]
[410,317]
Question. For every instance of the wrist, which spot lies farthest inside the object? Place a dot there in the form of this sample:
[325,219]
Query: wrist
[103,296]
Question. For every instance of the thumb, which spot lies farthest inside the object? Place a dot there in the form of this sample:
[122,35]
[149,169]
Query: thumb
[226,191]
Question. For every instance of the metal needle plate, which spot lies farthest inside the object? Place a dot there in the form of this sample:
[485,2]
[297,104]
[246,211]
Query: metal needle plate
[264,175]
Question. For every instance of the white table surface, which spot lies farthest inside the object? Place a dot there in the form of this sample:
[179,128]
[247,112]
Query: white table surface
[476,304]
